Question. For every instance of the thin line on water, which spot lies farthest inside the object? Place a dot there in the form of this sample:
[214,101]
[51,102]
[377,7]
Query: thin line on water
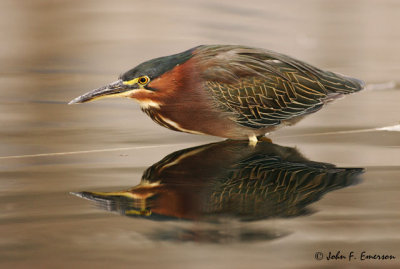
[395,128]
[85,151]
[331,133]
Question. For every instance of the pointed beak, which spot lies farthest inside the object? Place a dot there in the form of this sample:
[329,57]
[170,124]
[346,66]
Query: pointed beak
[114,89]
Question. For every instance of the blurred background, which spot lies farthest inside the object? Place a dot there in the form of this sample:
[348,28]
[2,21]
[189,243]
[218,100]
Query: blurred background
[53,51]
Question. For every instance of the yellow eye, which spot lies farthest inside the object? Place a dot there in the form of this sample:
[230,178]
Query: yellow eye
[143,80]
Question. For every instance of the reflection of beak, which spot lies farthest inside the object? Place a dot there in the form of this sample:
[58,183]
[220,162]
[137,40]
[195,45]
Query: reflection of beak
[115,89]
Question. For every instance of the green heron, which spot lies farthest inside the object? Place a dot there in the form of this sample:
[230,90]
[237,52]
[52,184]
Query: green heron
[228,91]
[228,178]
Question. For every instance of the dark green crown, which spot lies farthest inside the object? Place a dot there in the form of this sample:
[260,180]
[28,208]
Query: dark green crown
[158,66]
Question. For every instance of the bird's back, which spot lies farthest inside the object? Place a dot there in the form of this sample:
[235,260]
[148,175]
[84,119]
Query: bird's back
[264,88]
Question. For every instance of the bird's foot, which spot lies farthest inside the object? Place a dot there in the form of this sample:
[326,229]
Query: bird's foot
[253,140]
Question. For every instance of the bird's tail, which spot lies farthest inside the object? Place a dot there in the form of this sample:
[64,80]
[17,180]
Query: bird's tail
[338,84]
[358,84]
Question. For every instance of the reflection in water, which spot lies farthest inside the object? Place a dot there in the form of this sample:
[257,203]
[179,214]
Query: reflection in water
[226,233]
[228,179]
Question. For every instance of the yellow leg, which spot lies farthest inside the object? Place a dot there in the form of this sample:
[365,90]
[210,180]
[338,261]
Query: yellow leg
[253,140]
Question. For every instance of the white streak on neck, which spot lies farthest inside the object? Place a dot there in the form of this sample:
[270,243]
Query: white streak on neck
[178,127]
[147,103]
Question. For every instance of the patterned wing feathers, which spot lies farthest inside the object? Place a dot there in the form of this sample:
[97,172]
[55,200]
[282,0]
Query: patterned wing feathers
[265,88]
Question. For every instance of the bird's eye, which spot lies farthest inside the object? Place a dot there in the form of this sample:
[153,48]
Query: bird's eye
[144,80]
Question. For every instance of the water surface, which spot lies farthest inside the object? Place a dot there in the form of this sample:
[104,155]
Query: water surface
[53,51]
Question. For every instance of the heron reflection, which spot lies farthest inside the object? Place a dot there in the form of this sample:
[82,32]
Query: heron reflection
[228,179]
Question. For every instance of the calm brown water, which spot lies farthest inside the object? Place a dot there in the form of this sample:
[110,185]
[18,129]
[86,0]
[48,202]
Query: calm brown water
[52,51]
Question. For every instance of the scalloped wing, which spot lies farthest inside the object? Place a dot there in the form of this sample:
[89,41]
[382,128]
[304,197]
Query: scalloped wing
[264,88]
[257,102]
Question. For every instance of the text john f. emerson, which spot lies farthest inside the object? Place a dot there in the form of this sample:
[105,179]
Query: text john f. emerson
[352,255]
